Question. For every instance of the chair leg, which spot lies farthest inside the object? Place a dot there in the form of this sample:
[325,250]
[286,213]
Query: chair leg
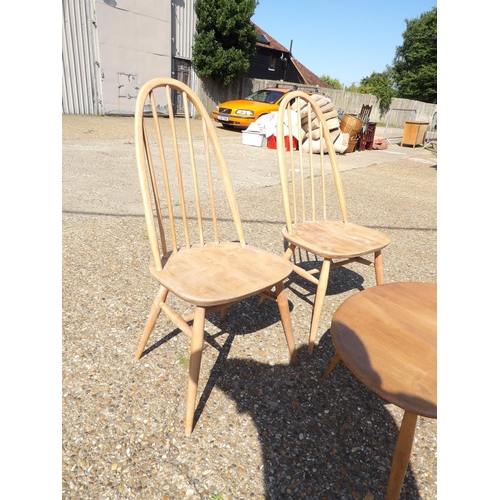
[196,349]
[223,314]
[287,255]
[266,295]
[286,321]
[289,252]
[318,302]
[332,365]
[402,454]
[379,269]
[150,323]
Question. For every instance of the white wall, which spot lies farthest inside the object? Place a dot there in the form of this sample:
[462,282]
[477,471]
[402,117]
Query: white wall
[134,47]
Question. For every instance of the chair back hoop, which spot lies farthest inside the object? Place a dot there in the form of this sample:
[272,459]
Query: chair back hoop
[178,184]
[364,114]
[299,169]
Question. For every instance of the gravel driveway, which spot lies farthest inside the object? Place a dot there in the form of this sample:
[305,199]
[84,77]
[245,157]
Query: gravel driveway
[265,429]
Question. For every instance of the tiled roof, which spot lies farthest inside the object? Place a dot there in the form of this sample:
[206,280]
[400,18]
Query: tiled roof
[309,77]
[273,44]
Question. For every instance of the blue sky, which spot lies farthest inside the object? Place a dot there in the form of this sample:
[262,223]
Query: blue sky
[344,40]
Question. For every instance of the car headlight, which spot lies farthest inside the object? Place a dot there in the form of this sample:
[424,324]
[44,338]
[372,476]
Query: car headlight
[246,112]
[216,108]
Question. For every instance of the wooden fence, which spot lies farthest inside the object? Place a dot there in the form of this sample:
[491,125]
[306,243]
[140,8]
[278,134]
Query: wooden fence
[212,93]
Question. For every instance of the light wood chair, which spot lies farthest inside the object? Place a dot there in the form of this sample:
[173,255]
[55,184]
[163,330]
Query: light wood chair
[198,256]
[308,189]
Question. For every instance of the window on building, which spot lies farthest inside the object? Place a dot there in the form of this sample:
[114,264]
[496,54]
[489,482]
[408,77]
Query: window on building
[272,63]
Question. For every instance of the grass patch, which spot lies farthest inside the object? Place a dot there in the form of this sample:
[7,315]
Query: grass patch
[183,361]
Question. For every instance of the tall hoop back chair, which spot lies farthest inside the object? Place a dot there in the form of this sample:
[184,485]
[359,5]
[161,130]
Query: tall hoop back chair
[197,256]
[311,188]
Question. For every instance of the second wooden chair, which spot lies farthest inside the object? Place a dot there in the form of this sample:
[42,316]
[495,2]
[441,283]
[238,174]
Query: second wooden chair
[308,189]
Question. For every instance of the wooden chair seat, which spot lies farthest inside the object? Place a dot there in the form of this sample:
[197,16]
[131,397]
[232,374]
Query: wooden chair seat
[332,239]
[216,274]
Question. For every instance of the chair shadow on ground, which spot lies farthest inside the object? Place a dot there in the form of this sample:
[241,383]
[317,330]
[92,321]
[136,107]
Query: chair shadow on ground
[321,439]
[341,279]
[261,318]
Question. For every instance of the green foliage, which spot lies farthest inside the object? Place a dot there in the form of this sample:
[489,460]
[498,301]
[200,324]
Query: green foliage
[333,82]
[216,497]
[381,86]
[415,64]
[352,88]
[225,40]
[183,361]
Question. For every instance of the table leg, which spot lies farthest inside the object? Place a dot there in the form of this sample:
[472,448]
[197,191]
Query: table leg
[401,455]
[332,365]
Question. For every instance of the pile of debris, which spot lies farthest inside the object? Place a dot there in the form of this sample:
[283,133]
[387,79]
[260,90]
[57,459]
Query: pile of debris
[344,134]
[311,137]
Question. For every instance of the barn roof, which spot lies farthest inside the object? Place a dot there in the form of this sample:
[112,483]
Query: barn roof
[266,41]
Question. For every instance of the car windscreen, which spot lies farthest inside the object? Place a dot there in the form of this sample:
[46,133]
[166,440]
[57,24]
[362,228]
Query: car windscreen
[269,96]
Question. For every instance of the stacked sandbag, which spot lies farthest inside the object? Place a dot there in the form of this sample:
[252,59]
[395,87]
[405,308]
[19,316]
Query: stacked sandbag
[312,137]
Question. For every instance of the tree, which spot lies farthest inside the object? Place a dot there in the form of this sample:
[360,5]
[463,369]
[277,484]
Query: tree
[225,40]
[415,64]
[352,88]
[333,82]
[381,86]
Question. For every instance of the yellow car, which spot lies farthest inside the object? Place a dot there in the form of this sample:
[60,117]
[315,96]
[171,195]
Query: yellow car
[241,113]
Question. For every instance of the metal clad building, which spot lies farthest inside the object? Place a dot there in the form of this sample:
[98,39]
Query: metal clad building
[81,93]
[112,47]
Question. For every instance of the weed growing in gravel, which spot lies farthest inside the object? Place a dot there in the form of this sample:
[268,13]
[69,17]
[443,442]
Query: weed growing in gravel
[184,362]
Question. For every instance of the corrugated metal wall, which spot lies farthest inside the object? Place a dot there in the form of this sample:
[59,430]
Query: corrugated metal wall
[183,30]
[183,27]
[80,62]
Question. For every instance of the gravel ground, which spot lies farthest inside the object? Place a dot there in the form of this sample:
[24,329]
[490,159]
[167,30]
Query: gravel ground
[265,429]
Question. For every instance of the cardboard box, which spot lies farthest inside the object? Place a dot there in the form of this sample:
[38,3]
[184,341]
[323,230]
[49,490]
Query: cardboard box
[251,138]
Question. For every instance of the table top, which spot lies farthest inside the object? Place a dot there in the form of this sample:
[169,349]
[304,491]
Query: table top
[386,336]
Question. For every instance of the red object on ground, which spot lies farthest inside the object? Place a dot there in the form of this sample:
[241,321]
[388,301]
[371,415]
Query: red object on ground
[380,144]
[271,142]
